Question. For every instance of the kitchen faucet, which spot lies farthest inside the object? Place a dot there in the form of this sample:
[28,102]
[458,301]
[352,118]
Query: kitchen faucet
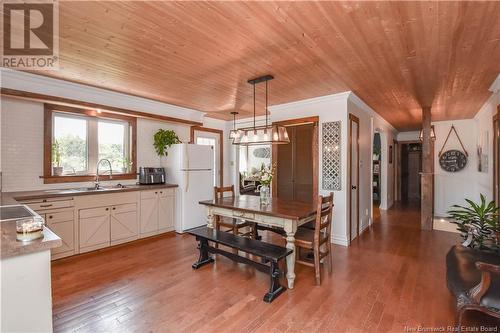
[96,183]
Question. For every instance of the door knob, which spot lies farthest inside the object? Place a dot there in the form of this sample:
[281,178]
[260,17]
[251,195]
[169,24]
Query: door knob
[353,187]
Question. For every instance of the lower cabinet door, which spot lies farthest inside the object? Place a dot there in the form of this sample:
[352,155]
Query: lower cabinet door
[94,228]
[149,216]
[124,222]
[166,209]
[65,230]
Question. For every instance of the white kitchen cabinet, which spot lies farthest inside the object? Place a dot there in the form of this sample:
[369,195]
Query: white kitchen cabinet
[124,223]
[157,212]
[59,216]
[94,228]
[166,210]
[63,224]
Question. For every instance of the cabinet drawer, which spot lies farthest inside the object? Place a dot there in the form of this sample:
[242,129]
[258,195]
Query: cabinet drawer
[38,206]
[166,192]
[124,208]
[59,216]
[93,212]
[149,194]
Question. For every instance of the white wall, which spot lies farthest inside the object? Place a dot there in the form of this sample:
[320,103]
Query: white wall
[452,187]
[408,136]
[22,128]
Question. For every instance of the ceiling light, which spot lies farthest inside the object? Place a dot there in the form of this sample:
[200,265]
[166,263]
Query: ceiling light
[433,134]
[261,135]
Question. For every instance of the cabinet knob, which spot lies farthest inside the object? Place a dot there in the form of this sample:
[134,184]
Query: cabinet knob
[161,192]
[107,208]
[50,216]
[156,192]
[114,208]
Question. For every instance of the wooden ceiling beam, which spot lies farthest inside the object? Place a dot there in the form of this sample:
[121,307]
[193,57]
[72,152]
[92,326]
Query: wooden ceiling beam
[93,106]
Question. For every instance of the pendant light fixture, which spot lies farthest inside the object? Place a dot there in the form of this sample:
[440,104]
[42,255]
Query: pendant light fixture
[261,135]
[234,132]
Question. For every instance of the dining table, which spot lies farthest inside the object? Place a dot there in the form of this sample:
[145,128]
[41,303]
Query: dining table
[278,213]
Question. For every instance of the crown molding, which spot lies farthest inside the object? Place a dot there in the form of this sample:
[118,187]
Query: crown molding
[303,102]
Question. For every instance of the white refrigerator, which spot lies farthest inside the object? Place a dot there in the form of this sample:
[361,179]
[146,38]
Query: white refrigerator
[192,168]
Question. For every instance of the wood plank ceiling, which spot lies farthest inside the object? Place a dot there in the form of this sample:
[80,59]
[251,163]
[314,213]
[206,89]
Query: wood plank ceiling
[396,56]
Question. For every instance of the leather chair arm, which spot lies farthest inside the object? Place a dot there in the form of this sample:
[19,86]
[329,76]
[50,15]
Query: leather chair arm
[478,291]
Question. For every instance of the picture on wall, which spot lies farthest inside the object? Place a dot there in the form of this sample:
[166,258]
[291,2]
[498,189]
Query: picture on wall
[482,152]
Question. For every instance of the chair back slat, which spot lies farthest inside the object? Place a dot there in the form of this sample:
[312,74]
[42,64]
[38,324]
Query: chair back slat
[219,191]
[323,223]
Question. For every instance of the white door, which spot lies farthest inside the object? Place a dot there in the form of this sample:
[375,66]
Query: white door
[211,139]
[94,228]
[124,223]
[354,176]
[149,212]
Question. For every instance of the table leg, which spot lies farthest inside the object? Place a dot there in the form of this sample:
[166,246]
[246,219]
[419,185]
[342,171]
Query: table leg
[290,229]
[210,218]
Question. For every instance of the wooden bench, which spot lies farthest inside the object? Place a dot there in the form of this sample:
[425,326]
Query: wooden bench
[269,253]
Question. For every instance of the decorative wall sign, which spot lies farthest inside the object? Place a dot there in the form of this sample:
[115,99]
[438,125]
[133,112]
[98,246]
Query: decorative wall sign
[453,160]
[331,148]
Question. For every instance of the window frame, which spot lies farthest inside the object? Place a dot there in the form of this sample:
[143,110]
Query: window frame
[50,110]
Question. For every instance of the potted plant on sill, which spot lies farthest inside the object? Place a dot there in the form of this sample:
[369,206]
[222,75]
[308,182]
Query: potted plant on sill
[126,165]
[57,169]
[163,139]
[478,224]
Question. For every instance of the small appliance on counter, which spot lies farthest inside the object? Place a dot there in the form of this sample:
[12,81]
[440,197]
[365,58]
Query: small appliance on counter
[148,176]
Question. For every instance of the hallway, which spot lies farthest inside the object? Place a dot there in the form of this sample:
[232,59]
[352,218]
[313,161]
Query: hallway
[392,277]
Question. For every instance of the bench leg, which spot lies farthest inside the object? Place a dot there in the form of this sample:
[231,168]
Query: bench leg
[275,289]
[204,257]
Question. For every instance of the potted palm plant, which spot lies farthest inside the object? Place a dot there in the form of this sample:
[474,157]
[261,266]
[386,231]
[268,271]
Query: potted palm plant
[57,169]
[478,224]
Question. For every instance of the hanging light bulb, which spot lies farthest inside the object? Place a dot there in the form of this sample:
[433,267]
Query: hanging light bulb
[234,132]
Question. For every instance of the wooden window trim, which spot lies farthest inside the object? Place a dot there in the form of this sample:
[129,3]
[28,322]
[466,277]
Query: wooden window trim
[48,178]
[221,146]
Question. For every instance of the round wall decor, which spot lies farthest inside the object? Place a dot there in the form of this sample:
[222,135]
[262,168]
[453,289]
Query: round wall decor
[452,160]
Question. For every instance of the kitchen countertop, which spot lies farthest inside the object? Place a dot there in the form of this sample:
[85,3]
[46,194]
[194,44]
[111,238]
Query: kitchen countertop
[10,247]
[12,198]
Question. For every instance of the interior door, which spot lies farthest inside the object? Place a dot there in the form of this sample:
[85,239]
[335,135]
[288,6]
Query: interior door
[295,164]
[353,177]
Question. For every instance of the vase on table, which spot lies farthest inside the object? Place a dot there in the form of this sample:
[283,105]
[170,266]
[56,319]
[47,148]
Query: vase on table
[265,194]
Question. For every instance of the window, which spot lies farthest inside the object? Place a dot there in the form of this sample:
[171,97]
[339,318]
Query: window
[80,138]
[210,142]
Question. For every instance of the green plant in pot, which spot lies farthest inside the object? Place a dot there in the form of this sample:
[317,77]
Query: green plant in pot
[163,139]
[478,224]
[57,169]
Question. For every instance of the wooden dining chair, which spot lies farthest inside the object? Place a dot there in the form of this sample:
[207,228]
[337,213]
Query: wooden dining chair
[234,225]
[318,239]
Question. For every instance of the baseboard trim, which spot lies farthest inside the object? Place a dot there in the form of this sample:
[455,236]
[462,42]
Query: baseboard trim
[340,240]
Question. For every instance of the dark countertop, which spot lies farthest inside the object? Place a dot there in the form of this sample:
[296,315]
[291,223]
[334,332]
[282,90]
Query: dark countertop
[12,198]
[10,247]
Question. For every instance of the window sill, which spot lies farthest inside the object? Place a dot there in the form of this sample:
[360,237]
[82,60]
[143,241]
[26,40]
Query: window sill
[85,178]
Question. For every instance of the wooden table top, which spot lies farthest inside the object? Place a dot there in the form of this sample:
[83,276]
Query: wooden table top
[294,210]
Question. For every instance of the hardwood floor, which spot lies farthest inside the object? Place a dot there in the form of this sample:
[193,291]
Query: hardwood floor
[392,277]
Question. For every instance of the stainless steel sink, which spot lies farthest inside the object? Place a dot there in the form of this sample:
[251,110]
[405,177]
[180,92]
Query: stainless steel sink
[102,188]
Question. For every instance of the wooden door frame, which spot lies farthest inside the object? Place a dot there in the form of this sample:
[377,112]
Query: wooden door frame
[496,157]
[315,151]
[353,119]
[395,147]
[221,146]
